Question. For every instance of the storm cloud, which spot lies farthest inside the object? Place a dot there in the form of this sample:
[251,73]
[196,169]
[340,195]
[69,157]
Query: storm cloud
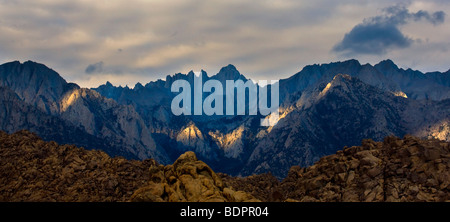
[94,68]
[379,34]
[142,41]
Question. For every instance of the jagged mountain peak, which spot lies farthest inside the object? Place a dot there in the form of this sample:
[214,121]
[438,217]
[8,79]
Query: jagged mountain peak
[387,64]
[326,103]
[228,72]
[138,86]
[108,84]
[172,78]
[229,68]
[350,62]
[385,75]
[339,64]
[339,80]
[191,74]
[350,86]
[34,76]
[29,70]
[180,76]
[35,83]
[342,85]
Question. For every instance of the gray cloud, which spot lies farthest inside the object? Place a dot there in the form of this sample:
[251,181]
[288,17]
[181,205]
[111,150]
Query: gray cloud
[94,68]
[374,38]
[146,40]
[400,15]
[379,34]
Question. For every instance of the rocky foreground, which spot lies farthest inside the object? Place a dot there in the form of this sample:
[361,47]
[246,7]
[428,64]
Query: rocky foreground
[408,169]
[34,170]
[394,170]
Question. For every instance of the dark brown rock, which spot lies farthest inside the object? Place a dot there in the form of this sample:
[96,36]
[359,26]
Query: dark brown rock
[188,179]
[34,170]
[395,170]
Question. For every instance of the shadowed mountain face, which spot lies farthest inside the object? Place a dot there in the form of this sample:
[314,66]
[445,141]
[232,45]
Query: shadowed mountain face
[34,92]
[323,108]
[340,114]
[384,75]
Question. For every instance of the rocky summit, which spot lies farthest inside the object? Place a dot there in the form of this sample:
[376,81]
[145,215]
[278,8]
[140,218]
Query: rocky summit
[407,170]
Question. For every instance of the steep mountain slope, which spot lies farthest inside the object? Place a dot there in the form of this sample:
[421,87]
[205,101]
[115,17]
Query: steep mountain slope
[321,111]
[177,134]
[341,113]
[104,118]
[416,85]
[39,87]
[384,75]
[35,83]
[16,115]
[321,114]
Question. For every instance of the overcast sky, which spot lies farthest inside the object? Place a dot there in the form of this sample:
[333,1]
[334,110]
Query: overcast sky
[129,41]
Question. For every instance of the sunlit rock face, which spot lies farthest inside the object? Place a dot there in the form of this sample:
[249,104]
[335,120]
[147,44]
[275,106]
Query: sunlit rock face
[35,83]
[191,138]
[232,143]
[106,118]
[322,108]
[340,113]
[43,94]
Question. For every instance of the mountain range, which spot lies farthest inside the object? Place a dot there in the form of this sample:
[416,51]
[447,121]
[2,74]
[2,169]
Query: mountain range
[322,109]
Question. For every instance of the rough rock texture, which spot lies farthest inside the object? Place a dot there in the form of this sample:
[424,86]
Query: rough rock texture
[323,108]
[342,113]
[38,92]
[408,169]
[188,179]
[262,186]
[34,170]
